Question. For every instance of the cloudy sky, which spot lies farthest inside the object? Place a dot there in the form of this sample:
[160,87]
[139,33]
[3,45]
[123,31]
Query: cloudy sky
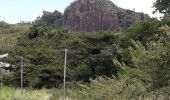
[13,11]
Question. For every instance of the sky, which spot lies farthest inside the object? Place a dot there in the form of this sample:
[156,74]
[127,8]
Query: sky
[14,11]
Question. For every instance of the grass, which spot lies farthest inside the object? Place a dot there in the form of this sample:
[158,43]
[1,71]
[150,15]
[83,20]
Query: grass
[7,93]
[102,88]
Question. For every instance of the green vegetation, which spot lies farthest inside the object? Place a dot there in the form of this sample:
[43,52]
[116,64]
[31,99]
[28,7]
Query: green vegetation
[7,93]
[54,19]
[110,65]
[163,7]
[9,34]
[127,65]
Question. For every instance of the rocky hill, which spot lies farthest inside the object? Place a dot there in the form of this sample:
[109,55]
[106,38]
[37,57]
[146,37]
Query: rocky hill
[99,15]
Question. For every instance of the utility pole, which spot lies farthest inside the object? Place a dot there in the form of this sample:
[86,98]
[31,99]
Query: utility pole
[64,80]
[21,74]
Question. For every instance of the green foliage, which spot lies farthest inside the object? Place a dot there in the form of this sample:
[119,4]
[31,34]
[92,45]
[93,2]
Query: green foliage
[42,65]
[103,88]
[163,7]
[39,28]
[147,31]
[135,65]
[9,35]
[153,59]
[93,51]
[4,24]
[54,19]
[90,55]
[144,31]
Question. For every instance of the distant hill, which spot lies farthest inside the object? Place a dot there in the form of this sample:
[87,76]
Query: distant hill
[93,16]
[99,15]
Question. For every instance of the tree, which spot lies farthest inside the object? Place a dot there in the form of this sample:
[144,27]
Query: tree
[54,19]
[39,28]
[93,52]
[153,59]
[162,6]
[42,60]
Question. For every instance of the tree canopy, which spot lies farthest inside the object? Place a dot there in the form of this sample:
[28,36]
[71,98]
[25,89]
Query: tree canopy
[163,6]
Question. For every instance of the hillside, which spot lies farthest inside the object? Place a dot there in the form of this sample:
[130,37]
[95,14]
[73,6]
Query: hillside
[99,15]
[93,16]
[113,54]
[9,34]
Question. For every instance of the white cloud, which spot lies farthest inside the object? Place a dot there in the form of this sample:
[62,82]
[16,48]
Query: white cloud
[139,6]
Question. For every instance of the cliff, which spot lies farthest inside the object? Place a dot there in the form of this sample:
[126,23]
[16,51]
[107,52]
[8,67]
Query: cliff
[99,15]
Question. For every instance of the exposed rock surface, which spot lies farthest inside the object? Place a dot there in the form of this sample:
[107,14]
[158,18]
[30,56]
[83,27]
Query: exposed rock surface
[99,15]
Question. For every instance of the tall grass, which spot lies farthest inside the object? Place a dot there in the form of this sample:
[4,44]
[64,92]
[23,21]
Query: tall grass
[7,93]
[101,89]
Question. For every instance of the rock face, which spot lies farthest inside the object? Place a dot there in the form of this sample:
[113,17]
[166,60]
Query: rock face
[129,17]
[99,15]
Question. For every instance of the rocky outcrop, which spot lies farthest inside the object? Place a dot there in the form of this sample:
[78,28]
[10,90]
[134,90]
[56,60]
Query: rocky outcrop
[129,17]
[99,15]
